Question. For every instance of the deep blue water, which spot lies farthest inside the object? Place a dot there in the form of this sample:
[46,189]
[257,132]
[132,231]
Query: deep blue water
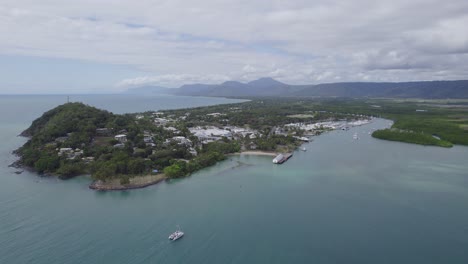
[341,201]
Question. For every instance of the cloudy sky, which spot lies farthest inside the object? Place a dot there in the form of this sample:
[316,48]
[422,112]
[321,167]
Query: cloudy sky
[52,46]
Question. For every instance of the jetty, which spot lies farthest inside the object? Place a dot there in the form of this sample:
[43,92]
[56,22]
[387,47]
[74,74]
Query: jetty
[281,158]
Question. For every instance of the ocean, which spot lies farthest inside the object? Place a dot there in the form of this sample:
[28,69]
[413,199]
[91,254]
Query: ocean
[341,201]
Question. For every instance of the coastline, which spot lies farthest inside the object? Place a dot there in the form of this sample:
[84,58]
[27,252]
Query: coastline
[135,183]
[255,152]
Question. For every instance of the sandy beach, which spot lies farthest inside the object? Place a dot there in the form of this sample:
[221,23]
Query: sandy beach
[256,152]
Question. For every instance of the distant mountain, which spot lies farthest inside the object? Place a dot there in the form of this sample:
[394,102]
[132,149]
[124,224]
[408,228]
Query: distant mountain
[427,89]
[260,87]
[150,89]
[271,87]
[194,89]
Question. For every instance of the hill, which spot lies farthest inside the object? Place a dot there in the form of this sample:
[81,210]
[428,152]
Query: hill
[75,139]
[270,87]
[428,90]
[65,119]
[67,129]
[260,87]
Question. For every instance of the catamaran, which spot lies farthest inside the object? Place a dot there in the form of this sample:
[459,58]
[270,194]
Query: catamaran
[176,235]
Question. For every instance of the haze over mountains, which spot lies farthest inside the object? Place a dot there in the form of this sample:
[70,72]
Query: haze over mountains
[271,87]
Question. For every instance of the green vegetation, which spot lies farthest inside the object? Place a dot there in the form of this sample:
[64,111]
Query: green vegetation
[62,139]
[416,121]
[446,119]
[74,139]
[212,153]
[410,137]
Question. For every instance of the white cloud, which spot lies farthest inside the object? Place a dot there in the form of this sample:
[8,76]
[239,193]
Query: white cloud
[295,41]
[173,80]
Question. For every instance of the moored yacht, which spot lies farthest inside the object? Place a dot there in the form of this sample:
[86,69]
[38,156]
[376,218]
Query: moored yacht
[355,136]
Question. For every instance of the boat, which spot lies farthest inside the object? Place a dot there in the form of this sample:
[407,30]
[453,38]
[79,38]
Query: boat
[282,158]
[303,149]
[355,136]
[278,159]
[176,235]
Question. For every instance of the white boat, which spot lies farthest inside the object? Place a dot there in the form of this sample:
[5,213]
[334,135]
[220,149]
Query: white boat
[355,136]
[303,149]
[278,159]
[176,235]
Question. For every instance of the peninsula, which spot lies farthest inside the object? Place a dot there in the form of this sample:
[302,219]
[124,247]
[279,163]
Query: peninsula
[136,150]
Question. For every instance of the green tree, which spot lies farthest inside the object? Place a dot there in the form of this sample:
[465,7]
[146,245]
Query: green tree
[124,180]
[176,170]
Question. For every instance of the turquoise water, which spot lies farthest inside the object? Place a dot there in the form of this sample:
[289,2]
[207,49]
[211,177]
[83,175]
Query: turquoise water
[341,201]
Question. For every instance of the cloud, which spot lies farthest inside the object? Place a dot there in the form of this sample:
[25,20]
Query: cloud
[173,80]
[295,41]
[447,36]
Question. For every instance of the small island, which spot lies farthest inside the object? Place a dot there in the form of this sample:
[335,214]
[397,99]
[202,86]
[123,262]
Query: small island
[137,150]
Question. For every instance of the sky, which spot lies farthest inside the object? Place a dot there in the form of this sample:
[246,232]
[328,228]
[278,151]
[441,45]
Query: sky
[102,46]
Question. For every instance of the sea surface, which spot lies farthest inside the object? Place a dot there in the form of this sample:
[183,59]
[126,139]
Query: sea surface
[341,201]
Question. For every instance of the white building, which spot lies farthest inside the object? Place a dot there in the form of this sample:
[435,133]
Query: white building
[182,141]
[121,138]
[160,121]
[210,133]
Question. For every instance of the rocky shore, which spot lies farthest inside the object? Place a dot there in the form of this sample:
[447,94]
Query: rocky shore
[135,183]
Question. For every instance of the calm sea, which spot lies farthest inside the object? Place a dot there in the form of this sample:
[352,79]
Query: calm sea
[341,201]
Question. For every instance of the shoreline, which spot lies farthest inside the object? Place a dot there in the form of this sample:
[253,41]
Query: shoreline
[255,152]
[137,182]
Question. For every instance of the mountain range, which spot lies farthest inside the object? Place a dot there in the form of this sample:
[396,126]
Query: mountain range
[271,87]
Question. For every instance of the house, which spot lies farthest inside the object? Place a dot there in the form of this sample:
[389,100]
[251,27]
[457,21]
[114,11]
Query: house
[61,139]
[214,114]
[252,146]
[88,159]
[65,151]
[182,141]
[104,131]
[148,139]
[193,151]
[70,153]
[172,129]
[121,138]
[160,121]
